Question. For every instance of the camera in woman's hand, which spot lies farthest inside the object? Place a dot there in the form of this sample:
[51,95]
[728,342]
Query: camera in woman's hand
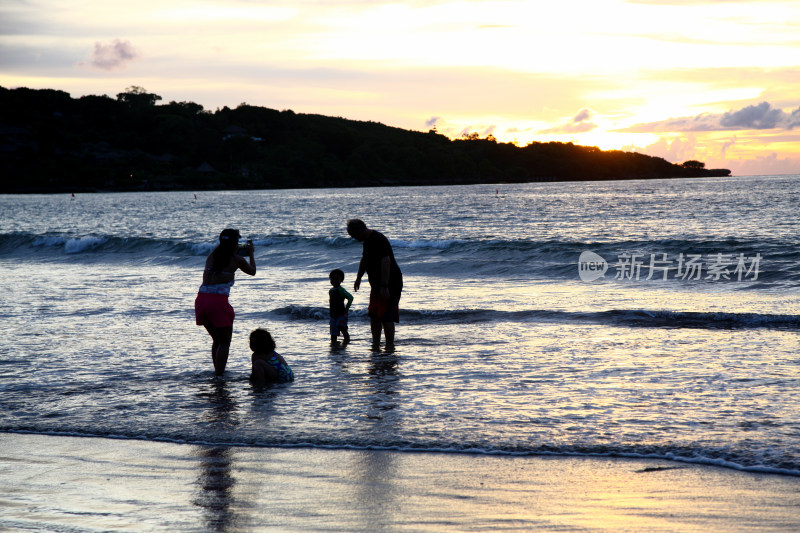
[244,249]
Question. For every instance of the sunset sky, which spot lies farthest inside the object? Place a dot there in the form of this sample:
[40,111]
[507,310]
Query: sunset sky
[717,81]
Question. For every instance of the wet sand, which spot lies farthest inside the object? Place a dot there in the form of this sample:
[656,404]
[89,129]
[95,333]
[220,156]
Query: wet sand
[50,483]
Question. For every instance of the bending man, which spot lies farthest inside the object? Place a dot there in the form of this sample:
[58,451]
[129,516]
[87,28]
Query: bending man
[385,281]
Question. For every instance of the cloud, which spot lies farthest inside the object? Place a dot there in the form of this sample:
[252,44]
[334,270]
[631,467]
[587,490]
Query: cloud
[753,117]
[765,165]
[518,130]
[675,150]
[582,116]
[580,123]
[793,120]
[701,122]
[481,130]
[115,54]
[723,154]
[458,130]
[18,57]
[690,2]
[726,145]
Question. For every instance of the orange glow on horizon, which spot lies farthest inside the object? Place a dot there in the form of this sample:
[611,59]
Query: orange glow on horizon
[647,65]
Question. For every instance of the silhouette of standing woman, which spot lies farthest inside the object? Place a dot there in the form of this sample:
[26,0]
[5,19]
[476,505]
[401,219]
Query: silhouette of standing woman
[211,307]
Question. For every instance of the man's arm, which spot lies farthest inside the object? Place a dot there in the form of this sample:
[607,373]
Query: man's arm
[386,264]
[362,267]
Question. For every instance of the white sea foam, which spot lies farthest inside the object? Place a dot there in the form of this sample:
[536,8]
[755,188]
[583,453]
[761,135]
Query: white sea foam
[423,243]
[83,244]
[49,241]
[202,248]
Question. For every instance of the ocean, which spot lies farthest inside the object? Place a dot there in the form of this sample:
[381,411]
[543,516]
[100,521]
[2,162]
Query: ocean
[648,319]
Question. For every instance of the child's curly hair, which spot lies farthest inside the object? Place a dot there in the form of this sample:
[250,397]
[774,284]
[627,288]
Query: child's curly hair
[261,341]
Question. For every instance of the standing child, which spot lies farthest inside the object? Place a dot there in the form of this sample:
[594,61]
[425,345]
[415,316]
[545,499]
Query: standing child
[268,365]
[337,296]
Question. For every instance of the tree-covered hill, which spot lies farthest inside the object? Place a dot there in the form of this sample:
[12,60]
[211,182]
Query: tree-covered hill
[50,141]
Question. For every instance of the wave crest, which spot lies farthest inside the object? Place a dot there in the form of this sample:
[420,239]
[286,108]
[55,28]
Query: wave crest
[633,318]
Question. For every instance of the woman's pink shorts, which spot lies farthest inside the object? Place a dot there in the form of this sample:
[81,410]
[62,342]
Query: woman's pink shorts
[214,310]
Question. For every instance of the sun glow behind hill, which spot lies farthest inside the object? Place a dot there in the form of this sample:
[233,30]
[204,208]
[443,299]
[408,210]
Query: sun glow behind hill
[678,79]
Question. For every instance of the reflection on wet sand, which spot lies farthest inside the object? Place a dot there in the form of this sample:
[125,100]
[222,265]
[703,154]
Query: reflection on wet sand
[226,487]
[215,481]
[377,495]
[216,484]
[226,490]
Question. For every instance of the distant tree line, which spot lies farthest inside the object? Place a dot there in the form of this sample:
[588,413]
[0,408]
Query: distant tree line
[50,141]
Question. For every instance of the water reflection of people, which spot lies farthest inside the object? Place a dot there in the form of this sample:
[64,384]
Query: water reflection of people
[383,374]
[216,487]
[377,495]
[215,479]
[211,306]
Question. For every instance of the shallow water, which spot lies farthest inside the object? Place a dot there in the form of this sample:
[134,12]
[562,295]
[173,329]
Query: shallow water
[502,347]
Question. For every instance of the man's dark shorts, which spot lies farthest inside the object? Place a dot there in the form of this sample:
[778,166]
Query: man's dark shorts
[384,310]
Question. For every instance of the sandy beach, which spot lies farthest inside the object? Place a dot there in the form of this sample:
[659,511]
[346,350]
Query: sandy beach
[52,483]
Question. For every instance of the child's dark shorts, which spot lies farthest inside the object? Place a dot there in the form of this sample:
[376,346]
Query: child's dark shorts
[337,324]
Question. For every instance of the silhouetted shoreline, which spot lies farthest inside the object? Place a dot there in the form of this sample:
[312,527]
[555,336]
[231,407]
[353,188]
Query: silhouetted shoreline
[50,142]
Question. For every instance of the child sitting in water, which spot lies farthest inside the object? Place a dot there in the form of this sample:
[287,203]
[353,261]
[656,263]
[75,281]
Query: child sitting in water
[268,365]
[338,310]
